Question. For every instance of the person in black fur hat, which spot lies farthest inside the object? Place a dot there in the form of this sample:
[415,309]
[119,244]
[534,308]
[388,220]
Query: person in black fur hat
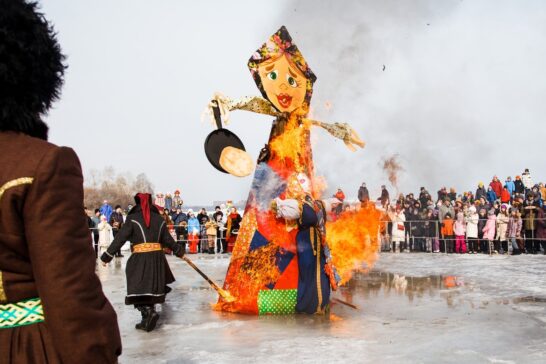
[147,269]
[52,308]
[31,68]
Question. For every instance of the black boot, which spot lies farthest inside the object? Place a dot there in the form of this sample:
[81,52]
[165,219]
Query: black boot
[144,313]
[151,318]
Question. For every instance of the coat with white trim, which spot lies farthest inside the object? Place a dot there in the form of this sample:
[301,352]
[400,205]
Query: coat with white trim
[148,273]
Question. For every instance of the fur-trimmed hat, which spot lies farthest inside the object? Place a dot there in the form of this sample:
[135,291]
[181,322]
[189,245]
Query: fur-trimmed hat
[31,68]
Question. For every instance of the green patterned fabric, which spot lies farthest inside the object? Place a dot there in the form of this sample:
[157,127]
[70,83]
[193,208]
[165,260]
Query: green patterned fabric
[21,313]
[277,301]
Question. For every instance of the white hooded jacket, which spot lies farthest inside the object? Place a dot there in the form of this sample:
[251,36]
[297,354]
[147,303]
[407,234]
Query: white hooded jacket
[472,223]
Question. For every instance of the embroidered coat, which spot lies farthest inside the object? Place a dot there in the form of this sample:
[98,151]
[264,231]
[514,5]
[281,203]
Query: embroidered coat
[41,184]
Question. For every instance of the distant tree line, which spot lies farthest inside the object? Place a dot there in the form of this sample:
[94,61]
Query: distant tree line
[117,188]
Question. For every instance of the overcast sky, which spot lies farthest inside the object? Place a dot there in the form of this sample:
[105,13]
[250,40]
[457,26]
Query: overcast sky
[462,96]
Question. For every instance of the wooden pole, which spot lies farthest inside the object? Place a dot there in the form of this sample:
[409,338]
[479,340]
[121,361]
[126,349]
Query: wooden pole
[223,293]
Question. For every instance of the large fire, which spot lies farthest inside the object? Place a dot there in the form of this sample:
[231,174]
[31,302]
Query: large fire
[353,240]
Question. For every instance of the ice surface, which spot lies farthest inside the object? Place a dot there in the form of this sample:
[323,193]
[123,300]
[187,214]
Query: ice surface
[496,314]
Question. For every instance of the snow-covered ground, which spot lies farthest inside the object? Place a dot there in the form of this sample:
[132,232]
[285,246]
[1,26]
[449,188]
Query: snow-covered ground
[494,313]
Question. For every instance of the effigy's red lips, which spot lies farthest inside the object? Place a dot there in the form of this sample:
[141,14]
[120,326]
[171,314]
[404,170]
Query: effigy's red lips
[285,100]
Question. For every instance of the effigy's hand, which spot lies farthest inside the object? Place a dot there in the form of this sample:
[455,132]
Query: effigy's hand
[353,138]
[224,105]
[349,136]
[344,132]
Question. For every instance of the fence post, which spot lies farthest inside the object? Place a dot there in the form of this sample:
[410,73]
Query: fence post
[412,236]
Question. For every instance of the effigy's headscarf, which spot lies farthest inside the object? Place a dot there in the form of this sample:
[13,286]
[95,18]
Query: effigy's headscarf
[280,43]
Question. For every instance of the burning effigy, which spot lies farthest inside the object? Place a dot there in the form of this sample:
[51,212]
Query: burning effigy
[287,256]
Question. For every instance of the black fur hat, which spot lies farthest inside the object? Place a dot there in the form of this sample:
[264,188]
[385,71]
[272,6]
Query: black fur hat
[31,68]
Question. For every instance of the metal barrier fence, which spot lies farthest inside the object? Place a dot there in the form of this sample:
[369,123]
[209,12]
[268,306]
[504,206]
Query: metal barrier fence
[411,238]
[201,240]
[426,236]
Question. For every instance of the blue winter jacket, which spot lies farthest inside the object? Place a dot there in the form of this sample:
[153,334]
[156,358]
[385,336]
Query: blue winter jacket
[106,210]
[510,185]
[193,225]
[491,196]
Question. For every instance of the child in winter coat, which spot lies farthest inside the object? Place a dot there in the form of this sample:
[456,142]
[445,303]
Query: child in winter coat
[105,234]
[398,229]
[501,243]
[489,230]
[505,195]
[193,232]
[221,244]
[210,227]
[491,195]
[514,230]
[459,229]
[472,230]
[447,234]
[482,219]
[541,228]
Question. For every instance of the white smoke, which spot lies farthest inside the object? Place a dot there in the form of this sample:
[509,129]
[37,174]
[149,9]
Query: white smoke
[454,92]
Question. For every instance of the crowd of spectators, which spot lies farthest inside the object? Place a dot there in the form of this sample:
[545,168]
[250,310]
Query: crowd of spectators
[502,218]
[203,232]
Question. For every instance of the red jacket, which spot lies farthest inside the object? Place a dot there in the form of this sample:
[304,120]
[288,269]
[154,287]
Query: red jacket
[497,187]
[505,195]
[340,195]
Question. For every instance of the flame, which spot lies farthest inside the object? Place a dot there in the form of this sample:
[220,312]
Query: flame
[291,145]
[319,185]
[353,240]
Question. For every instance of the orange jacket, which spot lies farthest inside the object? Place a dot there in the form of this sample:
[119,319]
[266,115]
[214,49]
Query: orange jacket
[447,229]
[340,195]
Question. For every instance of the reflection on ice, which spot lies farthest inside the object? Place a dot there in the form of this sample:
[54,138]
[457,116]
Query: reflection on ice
[412,308]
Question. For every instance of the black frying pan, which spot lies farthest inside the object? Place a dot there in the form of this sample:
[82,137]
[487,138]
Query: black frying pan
[219,139]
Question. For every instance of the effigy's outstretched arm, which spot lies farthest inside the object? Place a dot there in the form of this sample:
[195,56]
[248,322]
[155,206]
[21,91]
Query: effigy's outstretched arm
[341,131]
[249,103]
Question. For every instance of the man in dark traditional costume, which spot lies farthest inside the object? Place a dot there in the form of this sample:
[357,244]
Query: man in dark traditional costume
[52,308]
[147,269]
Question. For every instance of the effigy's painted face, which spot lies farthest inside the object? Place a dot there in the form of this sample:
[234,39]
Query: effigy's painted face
[284,84]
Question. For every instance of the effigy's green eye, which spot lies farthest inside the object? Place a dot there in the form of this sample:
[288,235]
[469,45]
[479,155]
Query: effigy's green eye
[291,81]
[272,75]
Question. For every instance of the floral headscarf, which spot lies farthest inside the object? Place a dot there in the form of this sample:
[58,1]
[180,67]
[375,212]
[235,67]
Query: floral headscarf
[280,43]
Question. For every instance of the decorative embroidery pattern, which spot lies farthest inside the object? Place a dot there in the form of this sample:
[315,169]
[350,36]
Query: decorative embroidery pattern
[15,183]
[3,297]
[146,247]
[10,184]
[21,313]
[277,301]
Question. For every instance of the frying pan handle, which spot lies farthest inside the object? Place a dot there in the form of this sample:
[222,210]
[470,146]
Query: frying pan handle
[216,112]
